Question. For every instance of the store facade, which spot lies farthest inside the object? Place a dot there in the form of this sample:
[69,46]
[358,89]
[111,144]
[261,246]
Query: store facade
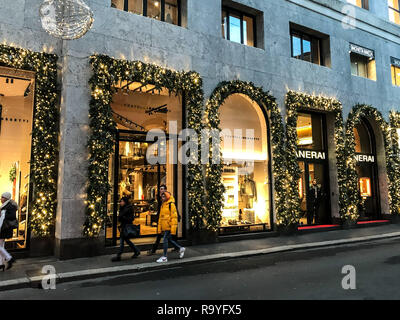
[29,124]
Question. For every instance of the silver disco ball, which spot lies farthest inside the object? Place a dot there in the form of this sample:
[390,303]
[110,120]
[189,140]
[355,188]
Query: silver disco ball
[66,19]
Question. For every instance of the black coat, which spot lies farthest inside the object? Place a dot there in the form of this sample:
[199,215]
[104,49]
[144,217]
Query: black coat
[11,215]
[126,215]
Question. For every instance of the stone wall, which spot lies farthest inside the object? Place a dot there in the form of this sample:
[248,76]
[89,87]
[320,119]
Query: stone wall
[200,47]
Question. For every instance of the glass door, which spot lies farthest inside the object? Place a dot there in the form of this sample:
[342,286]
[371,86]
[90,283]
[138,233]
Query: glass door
[314,193]
[133,176]
[368,207]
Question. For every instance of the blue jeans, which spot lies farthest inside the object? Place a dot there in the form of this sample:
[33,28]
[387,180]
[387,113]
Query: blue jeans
[168,237]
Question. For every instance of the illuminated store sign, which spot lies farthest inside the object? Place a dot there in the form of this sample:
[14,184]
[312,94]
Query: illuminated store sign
[362,51]
[365,158]
[303,154]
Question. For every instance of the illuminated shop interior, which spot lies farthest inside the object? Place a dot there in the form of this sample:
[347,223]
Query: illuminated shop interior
[310,136]
[246,166]
[16,112]
[366,171]
[136,110]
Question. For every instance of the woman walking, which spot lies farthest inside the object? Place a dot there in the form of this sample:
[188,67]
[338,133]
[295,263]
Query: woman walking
[125,217]
[168,223]
[8,213]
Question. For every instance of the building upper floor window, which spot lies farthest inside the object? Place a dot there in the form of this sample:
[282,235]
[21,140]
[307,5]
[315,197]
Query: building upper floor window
[309,45]
[163,10]
[395,69]
[239,27]
[359,3]
[362,62]
[394,11]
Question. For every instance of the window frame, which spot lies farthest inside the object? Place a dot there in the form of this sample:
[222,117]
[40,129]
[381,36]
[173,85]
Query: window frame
[302,35]
[395,84]
[162,3]
[241,14]
[395,10]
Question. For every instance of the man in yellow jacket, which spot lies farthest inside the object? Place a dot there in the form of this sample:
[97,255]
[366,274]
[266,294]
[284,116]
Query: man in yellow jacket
[168,223]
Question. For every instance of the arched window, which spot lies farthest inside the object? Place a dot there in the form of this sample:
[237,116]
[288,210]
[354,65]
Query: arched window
[246,172]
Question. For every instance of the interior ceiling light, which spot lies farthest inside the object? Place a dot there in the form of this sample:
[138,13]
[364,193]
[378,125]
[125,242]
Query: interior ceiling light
[66,19]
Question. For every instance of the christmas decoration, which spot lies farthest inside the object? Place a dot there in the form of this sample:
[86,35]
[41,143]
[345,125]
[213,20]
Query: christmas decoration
[66,19]
[44,133]
[391,154]
[214,186]
[294,102]
[107,73]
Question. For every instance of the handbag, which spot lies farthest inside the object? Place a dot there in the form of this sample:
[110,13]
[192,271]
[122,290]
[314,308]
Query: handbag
[131,231]
[9,224]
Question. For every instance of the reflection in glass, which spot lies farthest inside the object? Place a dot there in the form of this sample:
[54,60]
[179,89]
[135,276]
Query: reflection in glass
[296,47]
[234,28]
[135,6]
[171,11]
[362,139]
[224,22]
[306,49]
[310,131]
[154,9]
[248,31]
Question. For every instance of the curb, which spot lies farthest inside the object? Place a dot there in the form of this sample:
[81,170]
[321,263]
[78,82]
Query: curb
[35,282]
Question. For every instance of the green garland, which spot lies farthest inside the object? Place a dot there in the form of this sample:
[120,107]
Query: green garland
[295,101]
[13,173]
[214,186]
[44,162]
[392,163]
[394,125]
[107,72]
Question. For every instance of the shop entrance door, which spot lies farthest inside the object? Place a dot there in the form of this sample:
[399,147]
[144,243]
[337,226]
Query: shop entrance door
[134,177]
[322,214]
[369,207]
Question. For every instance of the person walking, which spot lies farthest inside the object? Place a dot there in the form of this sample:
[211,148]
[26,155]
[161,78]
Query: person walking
[163,188]
[125,217]
[8,214]
[167,224]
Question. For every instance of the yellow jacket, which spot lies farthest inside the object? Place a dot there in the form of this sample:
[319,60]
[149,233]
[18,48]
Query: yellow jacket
[168,221]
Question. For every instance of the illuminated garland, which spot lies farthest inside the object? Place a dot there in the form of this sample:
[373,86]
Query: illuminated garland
[44,133]
[295,101]
[107,72]
[214,186]
[392,163]
[394,125]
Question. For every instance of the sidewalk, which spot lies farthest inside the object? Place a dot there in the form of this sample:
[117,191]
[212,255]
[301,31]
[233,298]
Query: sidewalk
[28,272]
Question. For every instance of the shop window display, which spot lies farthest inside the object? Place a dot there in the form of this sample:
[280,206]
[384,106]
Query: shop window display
[246,167]
[16,112]
[136,110]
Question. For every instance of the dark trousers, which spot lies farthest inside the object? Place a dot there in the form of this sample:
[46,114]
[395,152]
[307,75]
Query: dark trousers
[311,213]
[168,238]
[157,243]
[129,242]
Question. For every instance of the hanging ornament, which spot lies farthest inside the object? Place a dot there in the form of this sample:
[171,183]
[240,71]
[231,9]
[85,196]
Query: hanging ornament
[66,19]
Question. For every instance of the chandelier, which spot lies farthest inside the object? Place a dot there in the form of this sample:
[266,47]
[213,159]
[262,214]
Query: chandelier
[66,19]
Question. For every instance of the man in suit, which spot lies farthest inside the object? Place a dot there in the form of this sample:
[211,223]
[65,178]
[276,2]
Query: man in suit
[314,198]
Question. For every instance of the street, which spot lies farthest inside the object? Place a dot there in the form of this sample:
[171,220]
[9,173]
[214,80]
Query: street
[309,274]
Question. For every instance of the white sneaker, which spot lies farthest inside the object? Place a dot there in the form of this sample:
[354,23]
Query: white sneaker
[181,252]
[162,259]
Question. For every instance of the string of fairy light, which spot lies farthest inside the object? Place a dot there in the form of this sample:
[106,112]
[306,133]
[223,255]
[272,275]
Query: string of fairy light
[295,101]
[214,186]
[107,72]
[358,112]
[44,133]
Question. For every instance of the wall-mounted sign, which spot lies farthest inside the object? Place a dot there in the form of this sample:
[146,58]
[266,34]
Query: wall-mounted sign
[306,154]
[365,158]
[362,51]
[395,62]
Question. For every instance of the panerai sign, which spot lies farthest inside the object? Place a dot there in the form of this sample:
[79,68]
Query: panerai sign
[365,158]
[319,155]
[363,51]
